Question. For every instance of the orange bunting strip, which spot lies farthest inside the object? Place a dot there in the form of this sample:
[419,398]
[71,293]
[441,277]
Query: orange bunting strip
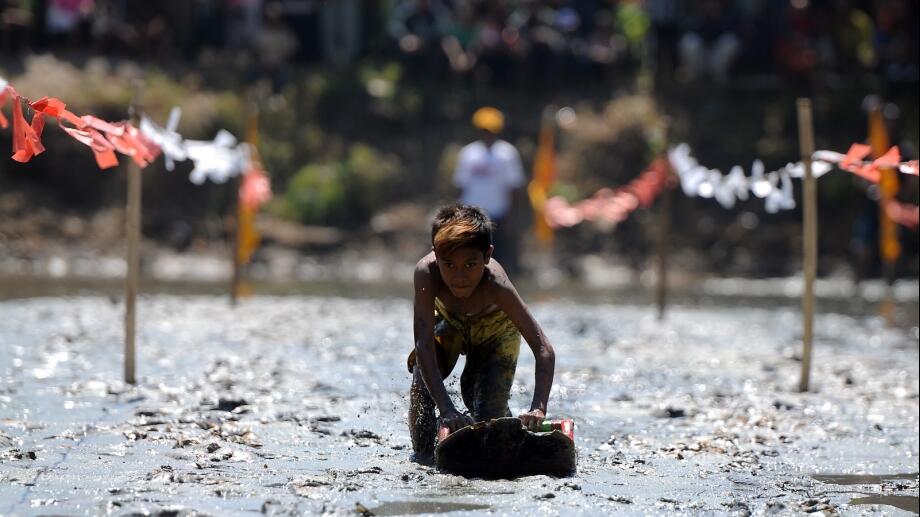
[215,160]
[855,155]
[131,142]
[125,138]
[52,107]
[256,189]
[102,148]
[104,138]
[607,204]
[4,96]
[854,161]
[27,138]
[97,134]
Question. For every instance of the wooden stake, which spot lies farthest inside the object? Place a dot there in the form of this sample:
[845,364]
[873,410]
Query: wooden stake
[132,233]
[233,222]
[889,245]
[810,238]
[664,230]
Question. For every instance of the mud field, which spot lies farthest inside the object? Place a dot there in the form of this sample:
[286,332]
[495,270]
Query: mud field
[297,405]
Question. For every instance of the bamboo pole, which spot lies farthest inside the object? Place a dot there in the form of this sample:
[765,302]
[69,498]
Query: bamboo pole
[664,230]
[132,233]
[889,245]
[233,221]
[810,238]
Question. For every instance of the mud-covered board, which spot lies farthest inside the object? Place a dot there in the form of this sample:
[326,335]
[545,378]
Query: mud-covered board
[503,448]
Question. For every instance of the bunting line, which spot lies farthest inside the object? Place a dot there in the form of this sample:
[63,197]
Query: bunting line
[215,160]
[774,187]
[609,205]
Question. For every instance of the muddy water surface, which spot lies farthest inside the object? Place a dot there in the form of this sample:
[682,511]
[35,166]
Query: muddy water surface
[297,405]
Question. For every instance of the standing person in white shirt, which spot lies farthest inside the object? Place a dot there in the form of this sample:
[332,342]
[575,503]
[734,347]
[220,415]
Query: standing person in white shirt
[488,174]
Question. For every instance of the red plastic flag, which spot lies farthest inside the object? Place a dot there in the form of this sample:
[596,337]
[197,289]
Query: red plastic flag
[102,148]
[607,204]
[890,159]
[125,139]
[53,107]
[256,189]
[855,155]
[4,95]
[103,126]
[131,142]
[27,138]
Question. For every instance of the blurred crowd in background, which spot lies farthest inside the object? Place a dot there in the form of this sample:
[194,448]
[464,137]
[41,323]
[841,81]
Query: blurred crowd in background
[411,72]
[496,40]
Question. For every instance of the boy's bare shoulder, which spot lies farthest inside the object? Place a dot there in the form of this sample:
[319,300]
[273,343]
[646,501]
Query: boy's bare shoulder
[497,279]
[501,291]
[425,267]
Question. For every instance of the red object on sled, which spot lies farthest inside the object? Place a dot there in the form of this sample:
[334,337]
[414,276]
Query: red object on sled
[565,425]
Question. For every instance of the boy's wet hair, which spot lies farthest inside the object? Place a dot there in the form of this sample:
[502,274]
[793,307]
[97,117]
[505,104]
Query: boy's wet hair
[458,226]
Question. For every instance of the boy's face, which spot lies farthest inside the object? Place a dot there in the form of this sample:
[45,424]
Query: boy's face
[462,269]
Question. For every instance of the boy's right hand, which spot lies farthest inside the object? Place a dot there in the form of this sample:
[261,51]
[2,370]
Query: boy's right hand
[455,420]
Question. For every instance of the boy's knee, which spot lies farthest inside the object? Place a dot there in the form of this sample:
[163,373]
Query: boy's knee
[489,404]
[418,383]
[487,388]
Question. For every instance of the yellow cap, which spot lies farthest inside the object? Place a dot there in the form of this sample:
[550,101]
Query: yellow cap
[489,119]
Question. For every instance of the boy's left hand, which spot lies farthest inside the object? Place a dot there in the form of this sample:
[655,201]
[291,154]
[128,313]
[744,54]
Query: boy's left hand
[532,419]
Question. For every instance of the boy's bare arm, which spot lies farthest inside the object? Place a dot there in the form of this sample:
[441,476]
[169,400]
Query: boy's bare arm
[509,300]
[425,350]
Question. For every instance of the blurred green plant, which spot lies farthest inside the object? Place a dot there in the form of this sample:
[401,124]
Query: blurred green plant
[566,190]
[632,21]
[380,82]
[341,192]
[316,194]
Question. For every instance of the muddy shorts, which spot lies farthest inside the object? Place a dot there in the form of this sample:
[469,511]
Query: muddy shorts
[490,344]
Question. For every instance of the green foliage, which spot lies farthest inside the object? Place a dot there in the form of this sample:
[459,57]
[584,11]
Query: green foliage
[316,194]
[342,192]
[632,22]
[566,190]
[380,82]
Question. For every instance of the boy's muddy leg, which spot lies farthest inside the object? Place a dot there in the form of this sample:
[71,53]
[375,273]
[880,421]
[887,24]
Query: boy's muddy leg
[422,421]
[487,378]
[423,424]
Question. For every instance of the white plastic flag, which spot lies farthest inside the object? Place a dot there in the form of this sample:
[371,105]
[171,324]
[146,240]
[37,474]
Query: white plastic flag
[216,160]
[170,142]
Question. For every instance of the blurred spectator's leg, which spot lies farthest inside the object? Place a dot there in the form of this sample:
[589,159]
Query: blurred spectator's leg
[692,55]
[341,31]
[665,43]
[210,22]
[302,17]
[723,55]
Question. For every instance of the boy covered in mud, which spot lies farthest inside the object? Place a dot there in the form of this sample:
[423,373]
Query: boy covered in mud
[465,304]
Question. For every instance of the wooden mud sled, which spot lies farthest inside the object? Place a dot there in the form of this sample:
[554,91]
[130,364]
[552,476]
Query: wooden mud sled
[503,449]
